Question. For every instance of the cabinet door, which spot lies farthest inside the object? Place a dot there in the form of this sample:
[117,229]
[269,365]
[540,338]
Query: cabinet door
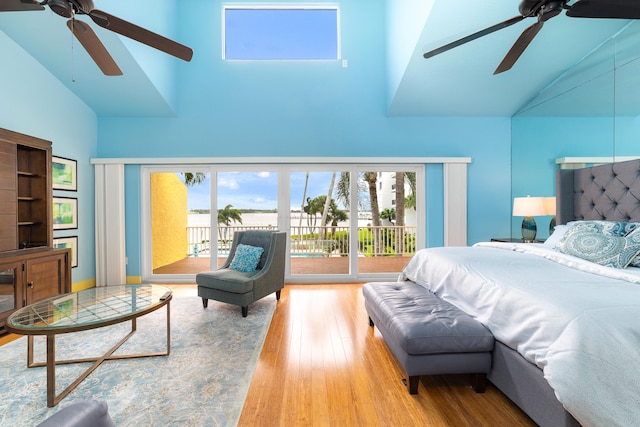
[46,276]
[11,297]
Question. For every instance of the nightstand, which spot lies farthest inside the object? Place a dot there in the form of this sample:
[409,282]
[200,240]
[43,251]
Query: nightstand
[512,240]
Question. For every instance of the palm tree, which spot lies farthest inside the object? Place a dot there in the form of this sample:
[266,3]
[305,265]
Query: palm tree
[226,216]
[399,213]
[388,214]
[191,179]
[371,179]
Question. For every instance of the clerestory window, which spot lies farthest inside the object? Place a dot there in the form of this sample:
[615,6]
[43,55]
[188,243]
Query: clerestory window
[281,33]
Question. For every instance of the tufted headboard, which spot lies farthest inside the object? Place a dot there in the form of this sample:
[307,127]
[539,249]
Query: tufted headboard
[610,192]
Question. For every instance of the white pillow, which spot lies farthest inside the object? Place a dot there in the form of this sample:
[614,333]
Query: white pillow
[557,234]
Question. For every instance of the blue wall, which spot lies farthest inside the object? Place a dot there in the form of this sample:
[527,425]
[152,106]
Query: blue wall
[241,109]
[33,102]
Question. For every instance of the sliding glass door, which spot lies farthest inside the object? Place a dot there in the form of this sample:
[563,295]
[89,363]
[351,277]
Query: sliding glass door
[345,222]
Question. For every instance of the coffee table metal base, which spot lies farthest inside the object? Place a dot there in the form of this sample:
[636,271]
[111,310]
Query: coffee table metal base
[52,398]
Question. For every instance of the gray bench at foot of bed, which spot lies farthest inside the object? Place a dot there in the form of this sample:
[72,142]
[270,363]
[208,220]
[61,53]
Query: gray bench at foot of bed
[428,335]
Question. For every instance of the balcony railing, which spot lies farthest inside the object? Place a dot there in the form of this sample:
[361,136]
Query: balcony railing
[315,241]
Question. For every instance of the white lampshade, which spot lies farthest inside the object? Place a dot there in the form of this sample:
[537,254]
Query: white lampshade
[550,205]
[528,206]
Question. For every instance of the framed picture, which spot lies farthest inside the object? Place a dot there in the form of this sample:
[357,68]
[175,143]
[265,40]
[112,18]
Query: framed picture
[65,213]
[64,174]
[68,242]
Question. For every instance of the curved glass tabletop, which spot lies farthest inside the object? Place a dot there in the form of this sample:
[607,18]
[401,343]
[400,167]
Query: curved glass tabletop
[89,308]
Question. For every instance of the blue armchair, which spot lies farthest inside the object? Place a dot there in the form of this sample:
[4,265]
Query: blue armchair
[243,288]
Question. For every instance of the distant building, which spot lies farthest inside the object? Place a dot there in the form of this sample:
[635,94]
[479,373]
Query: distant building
[387,197]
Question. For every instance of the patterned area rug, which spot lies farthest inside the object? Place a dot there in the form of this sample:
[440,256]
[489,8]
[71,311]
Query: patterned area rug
[203,382]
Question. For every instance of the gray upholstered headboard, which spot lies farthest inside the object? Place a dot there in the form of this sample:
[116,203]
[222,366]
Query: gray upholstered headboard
[610,192]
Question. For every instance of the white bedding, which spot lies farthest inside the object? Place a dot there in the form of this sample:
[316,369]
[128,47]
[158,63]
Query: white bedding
[578,321]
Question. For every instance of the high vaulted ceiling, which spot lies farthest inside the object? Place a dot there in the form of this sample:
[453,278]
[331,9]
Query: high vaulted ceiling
[457,82]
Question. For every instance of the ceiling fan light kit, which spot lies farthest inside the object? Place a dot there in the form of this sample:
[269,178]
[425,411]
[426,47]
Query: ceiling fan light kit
[88,38]
[544,10]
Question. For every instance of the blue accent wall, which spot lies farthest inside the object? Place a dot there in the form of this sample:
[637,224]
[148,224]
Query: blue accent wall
[33,102]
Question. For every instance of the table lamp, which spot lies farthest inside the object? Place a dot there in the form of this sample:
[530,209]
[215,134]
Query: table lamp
[550,209]
[528,207]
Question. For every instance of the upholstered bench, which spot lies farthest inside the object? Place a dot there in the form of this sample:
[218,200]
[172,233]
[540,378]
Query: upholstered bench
[428,335]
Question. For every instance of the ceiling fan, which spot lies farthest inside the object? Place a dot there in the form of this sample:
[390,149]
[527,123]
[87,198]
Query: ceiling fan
[88,38]
[544,10]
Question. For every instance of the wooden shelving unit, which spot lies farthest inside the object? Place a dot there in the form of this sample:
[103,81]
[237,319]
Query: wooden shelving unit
[30,269]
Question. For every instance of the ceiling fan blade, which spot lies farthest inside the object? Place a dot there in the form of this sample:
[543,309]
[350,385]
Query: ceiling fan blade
[617,9]
[476,35]
[140,34]
[94,47]
[19,5]
[519,47]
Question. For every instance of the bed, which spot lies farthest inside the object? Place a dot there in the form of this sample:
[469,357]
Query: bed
[566,323]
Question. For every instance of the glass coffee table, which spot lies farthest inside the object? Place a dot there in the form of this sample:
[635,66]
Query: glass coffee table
[88,309]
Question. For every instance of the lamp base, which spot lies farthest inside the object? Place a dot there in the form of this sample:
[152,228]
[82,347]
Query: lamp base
[529,229]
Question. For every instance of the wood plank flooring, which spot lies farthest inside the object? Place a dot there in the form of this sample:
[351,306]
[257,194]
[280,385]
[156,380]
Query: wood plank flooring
[322,365]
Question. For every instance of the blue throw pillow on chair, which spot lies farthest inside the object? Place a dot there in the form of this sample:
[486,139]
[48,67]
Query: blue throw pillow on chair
[246,258]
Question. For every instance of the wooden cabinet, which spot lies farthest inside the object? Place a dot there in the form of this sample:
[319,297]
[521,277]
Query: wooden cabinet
[30,269]
[29,276]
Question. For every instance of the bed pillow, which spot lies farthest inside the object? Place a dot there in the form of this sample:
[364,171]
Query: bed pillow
[558,232]
[610,251]
[246,258]
[610,228]
[635,262]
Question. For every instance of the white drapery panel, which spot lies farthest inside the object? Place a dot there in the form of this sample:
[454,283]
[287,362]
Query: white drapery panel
[111,268]
[455,204]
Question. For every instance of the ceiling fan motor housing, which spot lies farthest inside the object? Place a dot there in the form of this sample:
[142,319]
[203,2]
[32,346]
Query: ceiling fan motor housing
[543,9]
[68,8]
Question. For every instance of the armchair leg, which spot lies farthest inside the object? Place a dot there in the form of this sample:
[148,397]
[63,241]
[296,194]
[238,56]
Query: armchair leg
[245,310]
[278,295]
[205,302]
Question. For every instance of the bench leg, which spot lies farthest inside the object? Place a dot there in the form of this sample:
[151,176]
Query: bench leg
[277,295]
[412,384]
[479,382]
[205,302]
[245,310]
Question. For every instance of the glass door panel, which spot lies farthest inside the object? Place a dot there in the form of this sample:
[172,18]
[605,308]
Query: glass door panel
[319,223]
[180,222]
[247,200]
[387,220]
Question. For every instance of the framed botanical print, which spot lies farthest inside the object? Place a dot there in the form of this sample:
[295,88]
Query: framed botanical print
[65,213]
[64,174]
[70,242]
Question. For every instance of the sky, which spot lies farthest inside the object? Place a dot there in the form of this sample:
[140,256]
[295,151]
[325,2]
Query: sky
[257,190]
[280,33]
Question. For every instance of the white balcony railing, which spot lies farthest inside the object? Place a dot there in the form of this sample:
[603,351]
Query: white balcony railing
[315,241]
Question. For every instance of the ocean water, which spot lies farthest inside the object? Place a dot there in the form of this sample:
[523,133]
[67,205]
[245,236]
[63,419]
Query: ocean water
[259,218]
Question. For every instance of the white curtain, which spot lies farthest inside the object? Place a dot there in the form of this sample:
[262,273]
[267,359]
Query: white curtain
[455,204]
[111,268]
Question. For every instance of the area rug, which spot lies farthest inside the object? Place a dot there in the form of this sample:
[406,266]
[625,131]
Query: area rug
[203,382]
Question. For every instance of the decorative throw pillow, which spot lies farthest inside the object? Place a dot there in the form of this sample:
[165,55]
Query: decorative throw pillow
[246,258]
[610,251]
[610,228]
[635,262]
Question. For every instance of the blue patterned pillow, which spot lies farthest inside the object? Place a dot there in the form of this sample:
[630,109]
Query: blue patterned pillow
[610,251]
[609,228]
[246,258]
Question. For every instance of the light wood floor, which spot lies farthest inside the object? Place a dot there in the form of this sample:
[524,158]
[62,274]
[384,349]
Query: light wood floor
[322,365]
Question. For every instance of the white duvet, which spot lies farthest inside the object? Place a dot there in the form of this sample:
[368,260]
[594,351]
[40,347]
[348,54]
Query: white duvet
[578,321]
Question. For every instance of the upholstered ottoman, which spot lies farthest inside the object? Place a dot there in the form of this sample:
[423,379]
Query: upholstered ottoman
[428,335]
